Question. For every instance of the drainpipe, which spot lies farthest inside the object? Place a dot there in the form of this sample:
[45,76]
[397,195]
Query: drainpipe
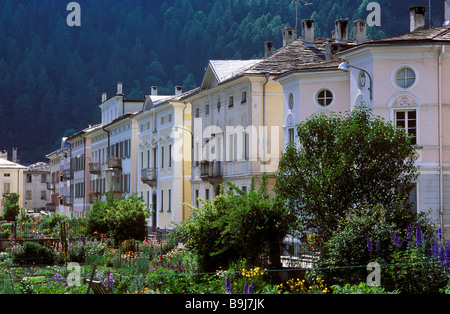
[84,164]
[441,165]
[267,76]
[182,169]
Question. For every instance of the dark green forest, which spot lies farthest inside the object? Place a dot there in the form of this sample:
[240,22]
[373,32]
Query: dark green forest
[52,75]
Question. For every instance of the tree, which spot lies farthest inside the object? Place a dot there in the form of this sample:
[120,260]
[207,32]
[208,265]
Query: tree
[10,206]
[345,161]
[120,219]
[237,225]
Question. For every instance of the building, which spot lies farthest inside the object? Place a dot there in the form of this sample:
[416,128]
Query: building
[402,78]
[11,178]
[36,180]
[164,157]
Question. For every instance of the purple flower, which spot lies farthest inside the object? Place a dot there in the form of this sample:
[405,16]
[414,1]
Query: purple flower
[369,244]
[396,241]
[409,231]
[58,277]
[250,288]
[418,236]
[228,285]
[244,291]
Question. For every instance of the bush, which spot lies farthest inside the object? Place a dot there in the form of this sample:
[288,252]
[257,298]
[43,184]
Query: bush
[31,253]
[10,207]
[361,288]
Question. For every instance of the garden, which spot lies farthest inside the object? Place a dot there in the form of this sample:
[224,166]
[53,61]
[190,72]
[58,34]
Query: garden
[342,195]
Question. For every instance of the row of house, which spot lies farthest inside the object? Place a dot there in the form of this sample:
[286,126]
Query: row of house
[30,182]
[173,150]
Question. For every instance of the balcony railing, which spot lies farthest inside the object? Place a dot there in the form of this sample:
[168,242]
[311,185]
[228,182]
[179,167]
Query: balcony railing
[67,175]
[210,170]
[149,176]
[94,168]
[115,163]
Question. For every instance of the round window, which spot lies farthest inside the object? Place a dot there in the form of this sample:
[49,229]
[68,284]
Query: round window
[324,97]
[405,77]
[291,101]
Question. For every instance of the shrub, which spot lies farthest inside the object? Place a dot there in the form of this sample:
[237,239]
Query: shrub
[10,206]
[31,253]
[361,288]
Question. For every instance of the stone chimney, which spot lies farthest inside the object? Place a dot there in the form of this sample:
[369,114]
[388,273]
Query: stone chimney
[4,154]
[417,18]
[341,31]
[104,97]
[178,90]
[308,33]
[14,155]
[289,36]
[119,88]
[154,91]
[359,31]
[268,49]
[447,13]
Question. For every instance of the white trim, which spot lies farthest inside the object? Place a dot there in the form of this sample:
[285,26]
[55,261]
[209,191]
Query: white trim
[394,77]
[317,91]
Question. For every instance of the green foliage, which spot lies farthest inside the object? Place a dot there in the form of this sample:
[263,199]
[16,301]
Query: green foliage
[31,253]
[345,161]
[361,288]
[11,208]
[236,225]
[120,219]
[369,225]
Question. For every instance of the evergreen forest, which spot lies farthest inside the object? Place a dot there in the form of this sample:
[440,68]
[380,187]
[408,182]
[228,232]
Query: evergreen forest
[52,75]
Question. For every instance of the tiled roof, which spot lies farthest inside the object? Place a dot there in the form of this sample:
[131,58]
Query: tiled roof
[39,167]
[436,34]
[295,56]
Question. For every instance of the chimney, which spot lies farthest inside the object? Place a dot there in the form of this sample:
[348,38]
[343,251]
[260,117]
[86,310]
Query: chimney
[14,155]
[359,31]
[154,91]
[4,154]
[104,97]
[308,33]
[268,49]
[178,90]
[447,13]
[119,88]
[341,31]
[417,18]
[289,36]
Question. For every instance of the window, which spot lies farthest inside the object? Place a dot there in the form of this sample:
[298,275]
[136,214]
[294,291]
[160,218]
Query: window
[162,201]
[207,194]
[29,178]
[291,135]
[7,175]
[207,109]
[407,119]
[291,101]
[43,178]
[197,112]
[230,101]
[405,77]
[27,195]
[162,157]
[170,156]
[169,201]
[244,97]
[324,97]
[43,195]
[196,198]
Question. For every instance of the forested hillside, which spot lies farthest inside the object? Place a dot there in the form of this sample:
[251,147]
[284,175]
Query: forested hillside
[52,75]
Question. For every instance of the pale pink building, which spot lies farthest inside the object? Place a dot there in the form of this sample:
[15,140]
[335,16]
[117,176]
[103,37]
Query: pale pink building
[405,79]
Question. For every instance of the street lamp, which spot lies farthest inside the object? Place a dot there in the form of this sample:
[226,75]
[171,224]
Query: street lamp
[345,66]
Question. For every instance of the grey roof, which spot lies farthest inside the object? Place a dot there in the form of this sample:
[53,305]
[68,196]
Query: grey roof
[39,167]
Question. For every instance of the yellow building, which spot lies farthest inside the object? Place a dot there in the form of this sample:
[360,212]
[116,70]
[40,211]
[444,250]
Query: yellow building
[163,157]
[11,179]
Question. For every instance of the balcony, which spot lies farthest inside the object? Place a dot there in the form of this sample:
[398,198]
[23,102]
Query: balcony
[94,168]
[149,176]
[67,200]
[67,175]
[93,197]
[210,170]
[51,186]
[114,163]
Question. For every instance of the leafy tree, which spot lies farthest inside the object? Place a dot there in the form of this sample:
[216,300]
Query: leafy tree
[11,207]
[121,219]
[237,225]
[345,161]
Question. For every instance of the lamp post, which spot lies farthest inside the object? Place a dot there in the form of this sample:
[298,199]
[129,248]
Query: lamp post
[345,66]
